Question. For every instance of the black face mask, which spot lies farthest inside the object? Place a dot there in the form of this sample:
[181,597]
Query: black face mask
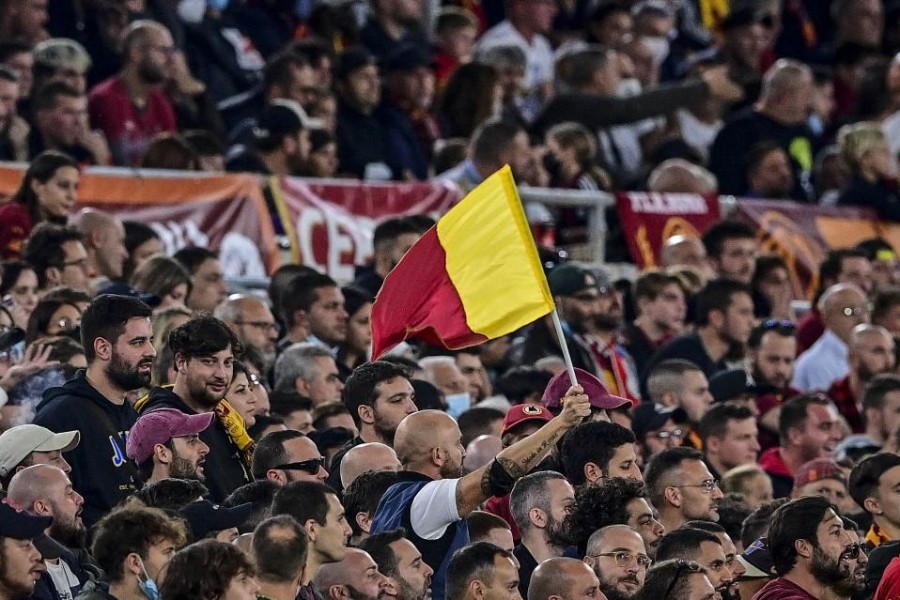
[552,165]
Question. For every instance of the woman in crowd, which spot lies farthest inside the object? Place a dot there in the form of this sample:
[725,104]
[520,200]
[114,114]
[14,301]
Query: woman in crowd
[164,277]
[18,290]
[53,317]
[873,183]
[241,394]
[47,193]
[355,349]
[142,242]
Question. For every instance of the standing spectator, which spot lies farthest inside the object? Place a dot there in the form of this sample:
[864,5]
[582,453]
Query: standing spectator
[21,559]
[729,438]
[355,574]
[703,546]
[393,23]
[539,503]
[391,239]
[780,115]
[165,444]
[57,255]
[142,242]
[210,569]
[280,143]
[873,485]
[598,450]
[661,309]
[563,579]
[401,562]
[208,287]
[279,549]
[679,385]
[864,148]
[481,568]
[773,290]
[494,143]
[117,344]
[13,128]
[47,193]
[310,370]
[618,557]
[771,350]
[808,428]
[881,408]
[843,307]
[870,353]
[455,32]
[313,307]
[469,98]
[250,318]
[356,349]
[807,541]
[104,240]
[61,59]
[204,351]
[769,173]
[166,279]
[682,488]
[287,456]
[732,248]
[130,107]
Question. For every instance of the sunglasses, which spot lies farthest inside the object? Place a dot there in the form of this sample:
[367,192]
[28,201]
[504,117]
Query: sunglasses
[769,324]
[851,552]
[311,466]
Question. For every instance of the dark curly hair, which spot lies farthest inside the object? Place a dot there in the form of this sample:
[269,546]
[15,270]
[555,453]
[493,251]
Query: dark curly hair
[203,571]
[597,506]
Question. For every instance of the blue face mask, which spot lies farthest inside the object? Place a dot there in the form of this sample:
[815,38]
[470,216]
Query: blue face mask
[217,5]
[148,586]
[457,404]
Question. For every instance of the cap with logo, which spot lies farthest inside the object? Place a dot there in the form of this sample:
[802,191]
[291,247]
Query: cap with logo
[18,442]
[757,560]
[817,470]
[524,413]
[599,396]
[160,426]
[568,279]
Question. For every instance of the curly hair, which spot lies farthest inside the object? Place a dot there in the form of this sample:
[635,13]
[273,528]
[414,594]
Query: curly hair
[203,571]
[597,506]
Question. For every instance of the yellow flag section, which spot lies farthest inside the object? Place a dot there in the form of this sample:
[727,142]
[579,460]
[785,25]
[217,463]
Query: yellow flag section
[492,259]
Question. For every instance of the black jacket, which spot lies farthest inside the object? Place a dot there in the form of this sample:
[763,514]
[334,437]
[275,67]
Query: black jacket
[879,195]
[100,470]
[224,469]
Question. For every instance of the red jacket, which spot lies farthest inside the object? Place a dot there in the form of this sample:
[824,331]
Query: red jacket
[15,227]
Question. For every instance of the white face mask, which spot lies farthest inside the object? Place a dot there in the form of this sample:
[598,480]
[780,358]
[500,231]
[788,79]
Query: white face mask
[191,11]
[457,404]
[628,88]
[659,47]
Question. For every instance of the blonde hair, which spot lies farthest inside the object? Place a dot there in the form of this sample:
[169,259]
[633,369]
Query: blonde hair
[577,137]
[858,139]
[738,479]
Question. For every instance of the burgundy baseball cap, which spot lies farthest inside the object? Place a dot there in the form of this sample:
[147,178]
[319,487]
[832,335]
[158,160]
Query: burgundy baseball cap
[160,426]
[524,413]
[817,470]
[596,391]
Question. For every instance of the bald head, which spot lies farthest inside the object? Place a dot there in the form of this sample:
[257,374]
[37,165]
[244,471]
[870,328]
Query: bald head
[843,306]
[349,571]
[367,457]
[677,175]
[866,333]
[35,483]
[91,220]
[232,308]
[683,250]
[419,432]
[565,578]
[611,533]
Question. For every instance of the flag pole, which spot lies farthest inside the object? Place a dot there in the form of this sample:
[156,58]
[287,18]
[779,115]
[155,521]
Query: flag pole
[557,324]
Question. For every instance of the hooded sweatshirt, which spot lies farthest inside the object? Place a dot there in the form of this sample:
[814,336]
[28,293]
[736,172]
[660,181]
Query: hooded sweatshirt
[101,472]
[224,469]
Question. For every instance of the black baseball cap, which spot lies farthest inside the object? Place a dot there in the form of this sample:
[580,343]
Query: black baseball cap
[204,517]
[21,525]
[650,416]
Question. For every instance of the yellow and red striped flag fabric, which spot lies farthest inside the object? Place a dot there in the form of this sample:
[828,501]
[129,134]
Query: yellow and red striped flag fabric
[473,277]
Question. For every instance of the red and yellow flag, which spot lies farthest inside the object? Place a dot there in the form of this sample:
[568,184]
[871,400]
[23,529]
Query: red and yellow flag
[473,277]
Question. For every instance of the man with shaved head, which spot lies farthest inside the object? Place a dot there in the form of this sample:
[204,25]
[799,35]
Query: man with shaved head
[843,306]
[279,549]
[431,498]
[104,240]
[356,576]
[686,251]
[367,457]
[563,579]
[45,490]
[619,558]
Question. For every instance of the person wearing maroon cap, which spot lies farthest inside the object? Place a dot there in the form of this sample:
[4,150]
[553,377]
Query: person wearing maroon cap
[823,477]
[600,398]
[521,421]
[20,560]
[166,444]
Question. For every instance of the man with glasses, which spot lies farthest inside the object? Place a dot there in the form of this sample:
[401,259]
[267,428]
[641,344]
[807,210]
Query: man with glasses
[856,559]
[808,544]
[705,548]
[870,353]
[657,427]
[166,444]
[286,456]
[682,488]
[843,306]
[251,319]
[131,106]
[618,557]
[58,257]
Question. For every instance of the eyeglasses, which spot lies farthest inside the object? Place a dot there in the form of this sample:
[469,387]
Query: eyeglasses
[683,567]
[852,552]
[664,435]
[626,559]
[706,487]
[311,466]
[264,325]
[81,263]
[855,311]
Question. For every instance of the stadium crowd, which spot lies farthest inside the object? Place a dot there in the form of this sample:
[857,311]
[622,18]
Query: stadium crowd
[164,438]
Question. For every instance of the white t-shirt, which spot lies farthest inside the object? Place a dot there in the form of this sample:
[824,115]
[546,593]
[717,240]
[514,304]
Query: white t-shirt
[64,579]
[434,509]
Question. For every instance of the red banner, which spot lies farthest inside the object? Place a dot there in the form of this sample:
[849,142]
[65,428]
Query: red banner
[803,234]
[330,223]
[226,213]
[649,219]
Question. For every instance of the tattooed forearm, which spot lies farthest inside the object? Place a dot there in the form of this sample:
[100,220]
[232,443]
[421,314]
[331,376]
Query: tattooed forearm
[512,468]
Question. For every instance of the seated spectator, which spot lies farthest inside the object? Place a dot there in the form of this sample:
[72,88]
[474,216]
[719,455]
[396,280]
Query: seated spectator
[732,247]
[494,144]
[61,59]
[280,143]
[356,573]
[104,240]
[13,128]
[130,107]
[660,303]
[823,477]
[864,148]
[885,264]
[26,445]
[356,348]
[677,501]
[467,99]
[487,527]
[729,436]
[53,317]
[399,560]
[208,287]
[678,176]
[751,482]
[361,499]
[258,493]
[141,242]
[165,278]
[880,408]
[873,483]
[60,118]
[677,579]
[279,549]
[870,353]
[704,547]
[563,579]
[323,154]
[209,149]
[47,193]
[455,32]
[169,150]
[598,450]
[772,288]
[481,568]
[165,444]
[769,174]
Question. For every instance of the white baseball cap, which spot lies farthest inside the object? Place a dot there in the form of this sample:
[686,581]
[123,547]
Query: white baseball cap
[20,441]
